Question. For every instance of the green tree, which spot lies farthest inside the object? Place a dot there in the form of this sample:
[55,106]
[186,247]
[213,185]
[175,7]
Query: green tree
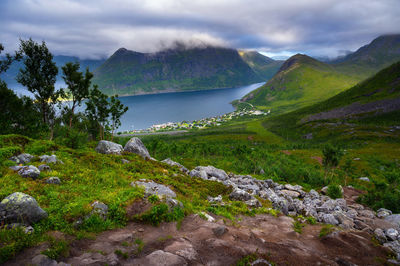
[39,76]
[332,155]
[97,111]
[77,86]
[117,109]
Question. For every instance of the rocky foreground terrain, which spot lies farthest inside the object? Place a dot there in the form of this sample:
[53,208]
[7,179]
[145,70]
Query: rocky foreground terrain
[347,233]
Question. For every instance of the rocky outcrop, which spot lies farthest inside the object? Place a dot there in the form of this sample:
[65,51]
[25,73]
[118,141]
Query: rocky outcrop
[152,188]
[135,145]
[23,158]
[209,173]
[50,159]
[172,163]
[108,147]
[20,208]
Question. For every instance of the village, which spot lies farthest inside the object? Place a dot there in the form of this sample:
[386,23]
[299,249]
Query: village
[202,123]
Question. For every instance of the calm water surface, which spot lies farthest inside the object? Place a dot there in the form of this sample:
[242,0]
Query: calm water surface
[147,110]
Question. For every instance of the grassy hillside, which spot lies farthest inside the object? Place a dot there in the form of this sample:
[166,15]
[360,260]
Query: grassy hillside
[345,110]
[128,73]
[300,81]
[264,66]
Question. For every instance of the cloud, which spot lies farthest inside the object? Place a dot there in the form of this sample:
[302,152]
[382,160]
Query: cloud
[96,28]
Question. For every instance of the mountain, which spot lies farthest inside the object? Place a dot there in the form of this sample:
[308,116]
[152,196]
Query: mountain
[180,69]
[369,109]
[264,66]
[369,59]
[60,60]
[301,81]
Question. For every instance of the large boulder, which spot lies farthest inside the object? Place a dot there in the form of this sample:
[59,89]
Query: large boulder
[240,195]
[163,258]
[152,188]
[108,147]
[208,172]
[29,172]
[135,145]
[20,208]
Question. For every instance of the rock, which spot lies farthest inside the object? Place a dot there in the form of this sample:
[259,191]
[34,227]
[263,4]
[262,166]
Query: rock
[308,136]
[173,203]
[162,258]
[172,163]
[393,219]
[199,174]
[49,159]
[217,199]
[262,172]
[95,258]
[152,188]
[53,180]
[391,234]
[135,145]
[100,209]
[108,147]
[380,235]
[211,171]
[27,229]
[329,219]
[260,262]
[253,203]
[382,213]
[29,172]
[208,217]
[22,158]
[395,247]
[220,230]
[16,168]
[125,161]
[290,193]
[182,248]
[21,208]
[44,167]
[367,213]
[42,260]
[240,195]
[364,178]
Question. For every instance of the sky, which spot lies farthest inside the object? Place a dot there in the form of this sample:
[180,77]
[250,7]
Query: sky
[97,28]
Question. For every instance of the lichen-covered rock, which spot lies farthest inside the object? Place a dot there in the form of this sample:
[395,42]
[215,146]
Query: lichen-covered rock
[328,218]
[172,163]
[49,159]
[391,234]
[135,145]
[152,188]
[393,219]
[100,209]
[53,180]
[211,171]
[20,208]
[29,172]
[108,147]
[124,161]
[380,235]
[23,158]
[382,213]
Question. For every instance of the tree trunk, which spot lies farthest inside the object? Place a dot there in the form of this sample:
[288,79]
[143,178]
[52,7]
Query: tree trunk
[71,115]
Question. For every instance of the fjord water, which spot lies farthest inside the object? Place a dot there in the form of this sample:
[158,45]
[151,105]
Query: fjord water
[147,110]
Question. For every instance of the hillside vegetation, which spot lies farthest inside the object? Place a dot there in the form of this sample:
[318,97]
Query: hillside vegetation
[179,69]
[264,66]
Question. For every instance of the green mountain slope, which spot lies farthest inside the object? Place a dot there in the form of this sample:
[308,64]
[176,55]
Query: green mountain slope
[369,59]
[370,107]
[181,69]
[300,81]
[264,66]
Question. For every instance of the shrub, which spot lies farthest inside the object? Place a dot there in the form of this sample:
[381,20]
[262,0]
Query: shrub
[161,213]
[326,230]
[334,191]
[58,248]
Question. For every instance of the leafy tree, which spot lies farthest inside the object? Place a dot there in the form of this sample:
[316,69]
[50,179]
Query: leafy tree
[39,76]
[77,86]
[117,109]
[97,111]
[6,62]
[332,155]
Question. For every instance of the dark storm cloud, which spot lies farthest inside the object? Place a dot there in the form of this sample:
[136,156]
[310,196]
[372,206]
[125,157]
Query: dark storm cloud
[96,28]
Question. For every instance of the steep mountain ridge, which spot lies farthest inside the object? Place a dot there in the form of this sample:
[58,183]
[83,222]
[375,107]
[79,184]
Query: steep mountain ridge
[264,66]
[128,72]
[297,84]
